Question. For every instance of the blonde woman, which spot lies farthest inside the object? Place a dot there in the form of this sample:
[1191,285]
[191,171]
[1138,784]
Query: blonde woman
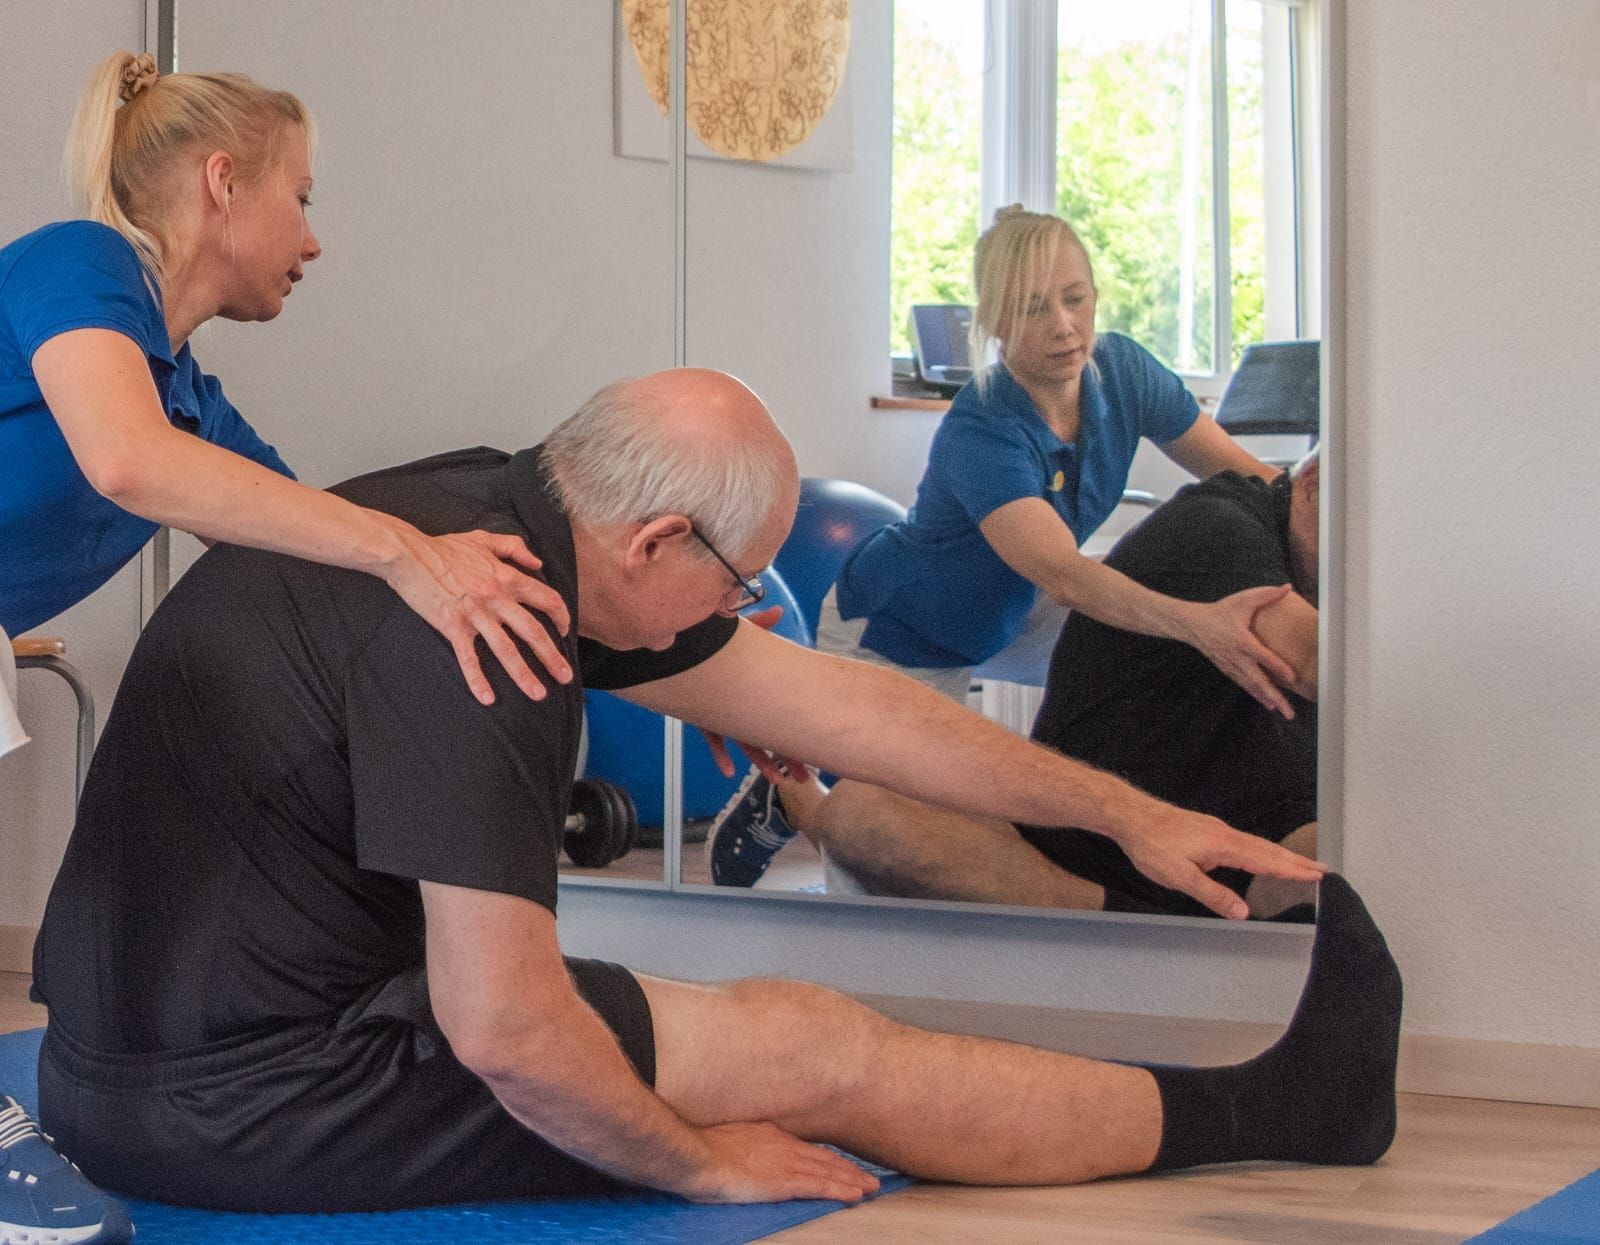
[1030,460]
[195,189]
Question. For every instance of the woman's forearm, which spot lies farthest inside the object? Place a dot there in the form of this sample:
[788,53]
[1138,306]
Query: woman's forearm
[180,481]
[1108,596]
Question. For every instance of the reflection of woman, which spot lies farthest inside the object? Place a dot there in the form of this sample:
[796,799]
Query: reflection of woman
[197,187]
[1031,459]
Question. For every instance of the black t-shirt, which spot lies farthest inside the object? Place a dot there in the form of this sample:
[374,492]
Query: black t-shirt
[1158,713]
[291,750]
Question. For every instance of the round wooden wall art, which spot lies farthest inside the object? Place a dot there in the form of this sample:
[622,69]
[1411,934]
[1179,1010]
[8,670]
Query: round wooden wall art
[761,73]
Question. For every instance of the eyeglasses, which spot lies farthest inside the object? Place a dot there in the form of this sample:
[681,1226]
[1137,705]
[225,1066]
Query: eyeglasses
[745,591]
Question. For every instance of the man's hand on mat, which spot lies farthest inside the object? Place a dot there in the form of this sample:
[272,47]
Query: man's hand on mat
[1178,848]
[773,768]
[1221,630]
[466,587]
[761,1162]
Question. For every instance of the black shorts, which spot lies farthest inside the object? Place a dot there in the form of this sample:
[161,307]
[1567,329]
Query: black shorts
[371,1113]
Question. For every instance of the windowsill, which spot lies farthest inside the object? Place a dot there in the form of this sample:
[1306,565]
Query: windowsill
[928,402]
[908,402]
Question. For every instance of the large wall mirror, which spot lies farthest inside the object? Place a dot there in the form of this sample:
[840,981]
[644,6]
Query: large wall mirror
[1181,138]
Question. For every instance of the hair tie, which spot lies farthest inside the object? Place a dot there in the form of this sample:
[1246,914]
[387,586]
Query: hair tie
[139,74]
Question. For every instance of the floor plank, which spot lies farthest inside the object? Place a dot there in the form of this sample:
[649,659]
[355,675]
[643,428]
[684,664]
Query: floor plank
[1458,1166]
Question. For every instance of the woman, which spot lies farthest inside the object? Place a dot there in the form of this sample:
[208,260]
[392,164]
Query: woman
[196,188]
[1030,460]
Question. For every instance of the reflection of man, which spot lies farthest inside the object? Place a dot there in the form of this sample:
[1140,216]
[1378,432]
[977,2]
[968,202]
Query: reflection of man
[1150,710]
[302,953]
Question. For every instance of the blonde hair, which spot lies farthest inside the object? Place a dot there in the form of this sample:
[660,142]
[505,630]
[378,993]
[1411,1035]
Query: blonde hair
[1013,258]
[132,125]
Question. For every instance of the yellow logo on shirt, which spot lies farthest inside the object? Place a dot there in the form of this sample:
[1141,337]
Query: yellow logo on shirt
[1057,481]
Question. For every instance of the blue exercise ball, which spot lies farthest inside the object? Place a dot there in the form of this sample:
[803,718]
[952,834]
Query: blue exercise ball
[834,516]
[627,747]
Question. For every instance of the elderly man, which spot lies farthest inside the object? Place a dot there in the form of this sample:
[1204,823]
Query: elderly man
[1150,710]
[302,952]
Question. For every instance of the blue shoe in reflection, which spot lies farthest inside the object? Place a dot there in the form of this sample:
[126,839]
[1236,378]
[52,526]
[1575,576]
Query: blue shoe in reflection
[748,832]
[44,1199]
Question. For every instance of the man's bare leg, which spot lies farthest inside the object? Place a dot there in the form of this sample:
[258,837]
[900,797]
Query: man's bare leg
[938,1106]
[895,845]
[967,1109]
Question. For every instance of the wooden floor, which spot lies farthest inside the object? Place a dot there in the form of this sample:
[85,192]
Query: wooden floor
[1459,1166]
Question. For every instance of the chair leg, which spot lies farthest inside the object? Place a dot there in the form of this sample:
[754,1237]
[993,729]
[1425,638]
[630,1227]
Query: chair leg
[80,689]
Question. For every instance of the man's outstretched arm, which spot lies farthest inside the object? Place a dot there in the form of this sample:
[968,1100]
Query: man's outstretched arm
[875,725]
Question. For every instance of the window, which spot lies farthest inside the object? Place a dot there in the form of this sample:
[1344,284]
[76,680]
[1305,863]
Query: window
[1118,132]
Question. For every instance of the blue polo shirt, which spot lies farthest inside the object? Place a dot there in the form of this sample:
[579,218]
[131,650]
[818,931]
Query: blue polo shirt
[933,590]
[59,539]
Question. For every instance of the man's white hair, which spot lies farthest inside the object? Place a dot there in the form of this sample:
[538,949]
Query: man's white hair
[612,463]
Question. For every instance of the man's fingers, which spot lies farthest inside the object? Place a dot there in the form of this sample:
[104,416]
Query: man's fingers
[1279,862]
[763,761]
[767,618]
[1215,896]
[719,753]
[797,771]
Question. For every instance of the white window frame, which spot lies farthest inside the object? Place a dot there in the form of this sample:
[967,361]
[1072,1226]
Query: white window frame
[1019,153]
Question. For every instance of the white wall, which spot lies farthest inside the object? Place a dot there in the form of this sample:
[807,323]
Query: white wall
[49,51]
[487,262]
[1473,646]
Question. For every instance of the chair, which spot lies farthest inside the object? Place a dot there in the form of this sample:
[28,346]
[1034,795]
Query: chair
[48,653]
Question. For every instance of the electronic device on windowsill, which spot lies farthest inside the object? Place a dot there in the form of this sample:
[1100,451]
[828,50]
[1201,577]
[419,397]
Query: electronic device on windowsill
[939,345]
[1276,389]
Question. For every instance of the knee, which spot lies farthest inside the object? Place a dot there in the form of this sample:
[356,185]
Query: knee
[826,1038]
[854,816]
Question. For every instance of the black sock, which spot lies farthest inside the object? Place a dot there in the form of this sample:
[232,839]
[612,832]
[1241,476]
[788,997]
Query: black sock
[1324,1093]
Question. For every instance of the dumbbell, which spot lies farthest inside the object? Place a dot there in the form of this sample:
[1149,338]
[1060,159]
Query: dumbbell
[602,824]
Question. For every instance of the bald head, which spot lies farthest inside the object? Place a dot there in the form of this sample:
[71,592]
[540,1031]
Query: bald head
[689,441]
[708,408]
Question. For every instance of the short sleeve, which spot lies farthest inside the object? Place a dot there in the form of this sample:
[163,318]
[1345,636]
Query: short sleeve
[79,275]
[445,789]
[984,463]
[607,669]
[1166,408]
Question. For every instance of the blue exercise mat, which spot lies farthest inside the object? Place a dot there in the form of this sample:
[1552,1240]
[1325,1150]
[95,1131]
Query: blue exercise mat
[639,1218]
[1569,1217]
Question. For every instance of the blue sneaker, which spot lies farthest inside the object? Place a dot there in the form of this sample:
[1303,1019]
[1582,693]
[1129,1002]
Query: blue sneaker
[748,832]
[44,1199]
